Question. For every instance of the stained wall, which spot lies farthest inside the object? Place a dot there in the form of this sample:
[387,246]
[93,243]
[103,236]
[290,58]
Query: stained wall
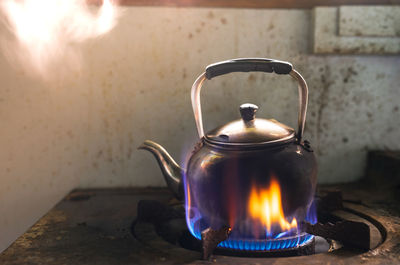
[83,129]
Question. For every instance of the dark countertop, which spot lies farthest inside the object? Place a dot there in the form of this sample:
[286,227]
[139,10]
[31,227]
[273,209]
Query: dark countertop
[93,227]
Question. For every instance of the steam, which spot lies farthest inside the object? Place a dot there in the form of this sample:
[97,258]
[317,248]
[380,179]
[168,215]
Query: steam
[46,34]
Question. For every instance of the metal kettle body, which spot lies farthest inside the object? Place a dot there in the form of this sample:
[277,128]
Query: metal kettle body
[230,164]
[218,184]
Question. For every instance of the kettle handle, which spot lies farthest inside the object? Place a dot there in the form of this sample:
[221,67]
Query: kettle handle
[250,65]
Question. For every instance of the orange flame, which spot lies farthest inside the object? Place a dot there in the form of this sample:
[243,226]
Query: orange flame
[265,205]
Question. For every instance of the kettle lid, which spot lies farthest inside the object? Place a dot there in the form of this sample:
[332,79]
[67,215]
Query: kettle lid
[250,131]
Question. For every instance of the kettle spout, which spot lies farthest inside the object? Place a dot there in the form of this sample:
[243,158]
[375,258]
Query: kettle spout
[172,172]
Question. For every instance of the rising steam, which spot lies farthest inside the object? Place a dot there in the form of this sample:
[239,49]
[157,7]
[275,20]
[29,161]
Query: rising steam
[45,34]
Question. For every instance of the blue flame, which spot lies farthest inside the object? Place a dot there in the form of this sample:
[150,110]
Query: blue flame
[284,240]
[312,213]
[267,245]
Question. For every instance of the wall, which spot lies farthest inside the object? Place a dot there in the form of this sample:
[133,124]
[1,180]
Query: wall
[83,130]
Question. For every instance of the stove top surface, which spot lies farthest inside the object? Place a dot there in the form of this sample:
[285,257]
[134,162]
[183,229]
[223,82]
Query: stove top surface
[95,227]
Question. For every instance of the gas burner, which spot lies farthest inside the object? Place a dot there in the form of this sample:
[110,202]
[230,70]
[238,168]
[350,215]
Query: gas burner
[160,224]
[343,226]
[278,244]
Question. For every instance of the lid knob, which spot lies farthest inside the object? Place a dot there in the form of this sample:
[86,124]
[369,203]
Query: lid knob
[248,111]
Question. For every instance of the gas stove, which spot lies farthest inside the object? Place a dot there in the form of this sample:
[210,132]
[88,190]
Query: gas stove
[350,226]
[358,223]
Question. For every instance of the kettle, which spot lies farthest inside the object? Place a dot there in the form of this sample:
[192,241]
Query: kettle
[230,161]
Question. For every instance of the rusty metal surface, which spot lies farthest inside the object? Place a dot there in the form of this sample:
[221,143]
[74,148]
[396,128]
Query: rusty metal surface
[349,233]
[93,227]
[210,239]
